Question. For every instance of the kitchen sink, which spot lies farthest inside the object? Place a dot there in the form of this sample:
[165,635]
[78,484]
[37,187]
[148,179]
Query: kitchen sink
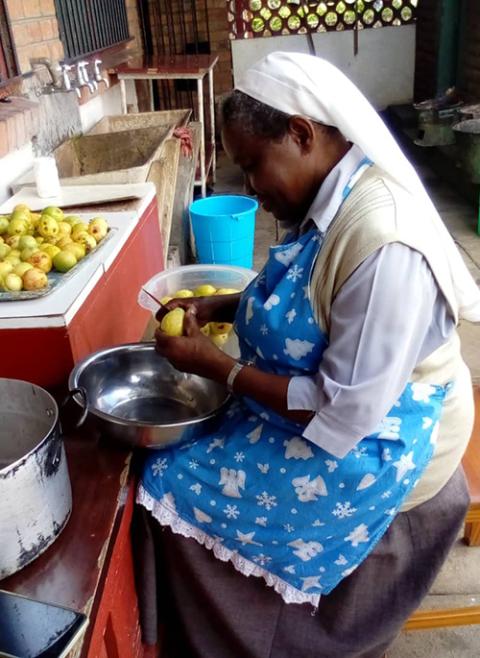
[110,158]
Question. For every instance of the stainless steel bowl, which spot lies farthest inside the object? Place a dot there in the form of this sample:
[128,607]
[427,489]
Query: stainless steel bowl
[138,398]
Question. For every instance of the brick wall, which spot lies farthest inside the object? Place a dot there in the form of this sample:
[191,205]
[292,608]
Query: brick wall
[35,34]
[469,69]
[35,30]
[164,42]
[220,45]
[134,24]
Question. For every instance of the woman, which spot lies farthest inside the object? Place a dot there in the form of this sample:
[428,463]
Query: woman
[335,475]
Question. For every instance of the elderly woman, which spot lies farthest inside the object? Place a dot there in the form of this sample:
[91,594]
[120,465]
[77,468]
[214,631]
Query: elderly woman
[335,474]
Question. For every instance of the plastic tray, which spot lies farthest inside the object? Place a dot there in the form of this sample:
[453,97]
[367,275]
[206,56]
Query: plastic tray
[55,279]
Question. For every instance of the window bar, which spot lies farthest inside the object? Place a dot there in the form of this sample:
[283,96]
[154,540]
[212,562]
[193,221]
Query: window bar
[113,23]
[207,21]
[65,35]
[80,32]
[93,23]
[125,28]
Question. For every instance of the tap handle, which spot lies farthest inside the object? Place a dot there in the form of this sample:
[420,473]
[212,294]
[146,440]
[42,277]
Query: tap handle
[82,73]
[67,83]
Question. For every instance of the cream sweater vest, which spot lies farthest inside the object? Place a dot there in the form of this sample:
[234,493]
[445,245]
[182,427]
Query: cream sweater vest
[377,212]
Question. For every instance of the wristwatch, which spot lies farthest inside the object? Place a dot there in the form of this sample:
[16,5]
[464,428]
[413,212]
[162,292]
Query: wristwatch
[232,375]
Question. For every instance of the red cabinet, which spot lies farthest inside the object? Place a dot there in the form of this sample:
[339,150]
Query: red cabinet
[46,352]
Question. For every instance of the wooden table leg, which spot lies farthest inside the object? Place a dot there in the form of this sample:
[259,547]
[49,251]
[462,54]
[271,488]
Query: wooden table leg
[201,118]
[212,122]
[123,96]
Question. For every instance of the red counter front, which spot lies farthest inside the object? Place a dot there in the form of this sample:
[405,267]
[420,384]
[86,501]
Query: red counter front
[109,315]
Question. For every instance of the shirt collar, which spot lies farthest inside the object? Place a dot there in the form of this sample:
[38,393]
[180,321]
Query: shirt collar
[330,195]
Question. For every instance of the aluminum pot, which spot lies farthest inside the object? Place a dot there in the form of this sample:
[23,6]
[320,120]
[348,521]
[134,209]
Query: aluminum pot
[136,397]
[35,492]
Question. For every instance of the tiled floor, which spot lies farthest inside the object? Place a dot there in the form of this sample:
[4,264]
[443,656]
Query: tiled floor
[459,583]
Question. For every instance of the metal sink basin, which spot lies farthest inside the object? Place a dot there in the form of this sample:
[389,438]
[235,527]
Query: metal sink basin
[34,629]
[110,158]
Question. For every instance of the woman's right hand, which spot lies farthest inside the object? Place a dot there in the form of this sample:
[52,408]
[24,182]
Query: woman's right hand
[212,308]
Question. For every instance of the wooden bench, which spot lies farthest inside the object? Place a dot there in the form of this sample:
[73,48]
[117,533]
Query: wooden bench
[444,617]
[471,464]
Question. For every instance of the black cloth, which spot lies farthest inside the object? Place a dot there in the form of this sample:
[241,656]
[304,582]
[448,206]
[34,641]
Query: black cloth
[209,610]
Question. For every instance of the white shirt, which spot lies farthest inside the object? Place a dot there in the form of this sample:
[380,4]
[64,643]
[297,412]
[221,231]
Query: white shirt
[388,316]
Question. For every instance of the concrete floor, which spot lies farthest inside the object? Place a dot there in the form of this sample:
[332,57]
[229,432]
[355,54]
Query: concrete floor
[458,585]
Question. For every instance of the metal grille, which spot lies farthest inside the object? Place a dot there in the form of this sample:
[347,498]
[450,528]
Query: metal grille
[176,27]
[8,60]
[265,18]
[90,25]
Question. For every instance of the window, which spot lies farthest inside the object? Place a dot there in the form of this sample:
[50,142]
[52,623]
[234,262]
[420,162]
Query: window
[8,60]
[266,18]
[89,25]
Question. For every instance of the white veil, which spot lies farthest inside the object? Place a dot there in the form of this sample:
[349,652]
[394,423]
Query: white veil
[302,84]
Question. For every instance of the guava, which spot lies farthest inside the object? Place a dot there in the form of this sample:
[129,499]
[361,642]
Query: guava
[48,227]
[219,339]
[53,211]
[98,227]
[172,322]
[218,328]
[184,292]
[227,291]
[204,291]
[21,268]
[64,261]
[34,279]
[27,242]
[12,282]
[41,261]
[17,227]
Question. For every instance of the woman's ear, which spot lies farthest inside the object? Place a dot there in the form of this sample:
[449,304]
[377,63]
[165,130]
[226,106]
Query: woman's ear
[302,131]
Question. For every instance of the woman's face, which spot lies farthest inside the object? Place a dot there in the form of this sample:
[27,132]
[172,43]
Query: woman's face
[282,173]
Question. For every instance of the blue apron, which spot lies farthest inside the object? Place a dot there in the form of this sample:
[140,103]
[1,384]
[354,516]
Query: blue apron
[259,494]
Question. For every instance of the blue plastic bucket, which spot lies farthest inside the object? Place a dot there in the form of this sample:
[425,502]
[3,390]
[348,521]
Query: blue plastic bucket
[224,228]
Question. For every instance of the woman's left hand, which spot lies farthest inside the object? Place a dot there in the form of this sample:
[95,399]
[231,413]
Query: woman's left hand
[194,352]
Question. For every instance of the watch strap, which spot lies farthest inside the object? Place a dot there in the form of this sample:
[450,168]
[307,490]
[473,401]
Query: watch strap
[232,375]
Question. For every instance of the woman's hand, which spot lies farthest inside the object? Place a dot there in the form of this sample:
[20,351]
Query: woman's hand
[193,352]
[213,308]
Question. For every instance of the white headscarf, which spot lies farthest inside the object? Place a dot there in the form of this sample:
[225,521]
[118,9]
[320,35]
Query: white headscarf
[299,84]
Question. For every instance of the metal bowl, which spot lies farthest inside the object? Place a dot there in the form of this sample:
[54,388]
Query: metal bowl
[138,398]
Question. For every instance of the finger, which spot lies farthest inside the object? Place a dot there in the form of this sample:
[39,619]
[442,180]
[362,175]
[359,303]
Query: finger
[190,322]
[163,342]
[170,306]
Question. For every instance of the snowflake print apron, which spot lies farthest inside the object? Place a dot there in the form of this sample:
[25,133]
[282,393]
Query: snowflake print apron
[261,496]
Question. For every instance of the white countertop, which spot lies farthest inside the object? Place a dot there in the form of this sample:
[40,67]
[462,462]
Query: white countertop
[58,308]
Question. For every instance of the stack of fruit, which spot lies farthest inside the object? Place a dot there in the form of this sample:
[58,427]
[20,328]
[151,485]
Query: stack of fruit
[172,322]
[32,244]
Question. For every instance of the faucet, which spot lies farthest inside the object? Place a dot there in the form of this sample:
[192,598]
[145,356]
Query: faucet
[98,75]
[67,82]
[82,77]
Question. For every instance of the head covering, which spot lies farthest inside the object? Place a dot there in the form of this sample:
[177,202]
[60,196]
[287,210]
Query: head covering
[300,84]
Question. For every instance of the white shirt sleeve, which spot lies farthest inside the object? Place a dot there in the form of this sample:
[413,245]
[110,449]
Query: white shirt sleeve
[388,316]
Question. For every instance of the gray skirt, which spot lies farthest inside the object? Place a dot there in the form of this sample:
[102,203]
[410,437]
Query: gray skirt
[208,610]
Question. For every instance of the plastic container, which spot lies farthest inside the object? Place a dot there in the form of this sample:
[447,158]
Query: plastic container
[223,229]
[46,177]
[190,277]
